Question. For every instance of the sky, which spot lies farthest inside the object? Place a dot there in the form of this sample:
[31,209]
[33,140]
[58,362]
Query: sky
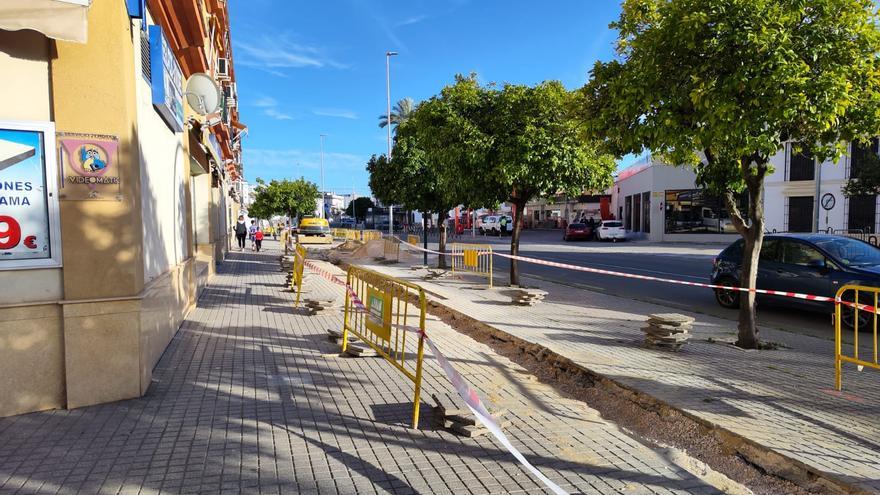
[306,68]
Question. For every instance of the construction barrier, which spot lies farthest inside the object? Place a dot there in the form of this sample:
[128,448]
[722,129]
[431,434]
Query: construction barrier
[472,258]
[412,239]
[391,249]
[390,306]
[299,261]
[858,302]
[338,233]
[370,235]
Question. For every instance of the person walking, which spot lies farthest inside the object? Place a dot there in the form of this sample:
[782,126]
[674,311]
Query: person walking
[258,239]
[503,225]
[253,232]
[241,232]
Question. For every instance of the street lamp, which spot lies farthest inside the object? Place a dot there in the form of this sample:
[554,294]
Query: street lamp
[322,174]
[388,56]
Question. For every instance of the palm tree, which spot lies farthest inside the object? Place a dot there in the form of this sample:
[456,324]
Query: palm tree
[399,113]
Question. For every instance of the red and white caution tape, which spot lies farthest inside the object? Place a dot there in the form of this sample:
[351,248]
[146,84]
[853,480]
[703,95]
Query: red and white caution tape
[467,393]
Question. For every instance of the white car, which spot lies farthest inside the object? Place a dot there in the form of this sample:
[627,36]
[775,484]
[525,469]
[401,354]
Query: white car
[492,225]
[611,230]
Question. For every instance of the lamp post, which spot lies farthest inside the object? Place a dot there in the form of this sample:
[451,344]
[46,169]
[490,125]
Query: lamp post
[388,56]
[322,174]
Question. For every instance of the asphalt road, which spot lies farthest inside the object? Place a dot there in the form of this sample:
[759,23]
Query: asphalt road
[689,262]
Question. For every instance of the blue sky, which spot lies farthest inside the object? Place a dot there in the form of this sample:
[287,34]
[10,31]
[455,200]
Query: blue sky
[306,68]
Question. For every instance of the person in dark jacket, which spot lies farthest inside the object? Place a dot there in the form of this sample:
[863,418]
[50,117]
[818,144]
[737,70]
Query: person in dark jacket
[241,232]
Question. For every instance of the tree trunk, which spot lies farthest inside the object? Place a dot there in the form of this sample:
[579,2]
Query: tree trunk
[441,218]
[753,240]
[425,237]
[518,205]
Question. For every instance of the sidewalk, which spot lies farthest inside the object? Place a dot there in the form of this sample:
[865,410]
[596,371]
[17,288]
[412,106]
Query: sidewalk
[251,398]
[784,399]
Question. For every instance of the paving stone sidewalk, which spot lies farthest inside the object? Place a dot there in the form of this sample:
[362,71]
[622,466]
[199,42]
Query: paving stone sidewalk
[782,399]
[250,397]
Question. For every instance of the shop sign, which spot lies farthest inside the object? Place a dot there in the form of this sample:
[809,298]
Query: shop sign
[90,166]
[29,225]
[166,80]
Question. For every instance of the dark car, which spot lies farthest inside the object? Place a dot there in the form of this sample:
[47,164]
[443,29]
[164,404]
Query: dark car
[806,263]
[576,231]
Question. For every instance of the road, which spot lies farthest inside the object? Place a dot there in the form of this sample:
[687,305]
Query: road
[675,261]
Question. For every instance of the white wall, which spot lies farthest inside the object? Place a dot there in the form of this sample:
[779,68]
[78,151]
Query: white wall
[163,195]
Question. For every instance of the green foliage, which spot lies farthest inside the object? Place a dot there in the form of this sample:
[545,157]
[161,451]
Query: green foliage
[736,79]
[357,208]
[285,197]
[400,112]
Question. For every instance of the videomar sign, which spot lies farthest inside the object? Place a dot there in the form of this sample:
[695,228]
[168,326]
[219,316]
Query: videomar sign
[29,224]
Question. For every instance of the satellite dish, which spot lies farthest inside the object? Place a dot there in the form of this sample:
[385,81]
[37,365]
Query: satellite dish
[202,93]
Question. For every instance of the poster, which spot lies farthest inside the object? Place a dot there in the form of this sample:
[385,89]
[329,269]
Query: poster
[90,166]
[379,313]
[29,230]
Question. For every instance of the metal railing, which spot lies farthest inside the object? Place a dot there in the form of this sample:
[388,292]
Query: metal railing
[472,258]
[854,306]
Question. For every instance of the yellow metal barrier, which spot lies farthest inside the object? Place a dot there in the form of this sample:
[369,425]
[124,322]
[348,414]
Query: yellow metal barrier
[391,249]
[299,258]
[472,258]
[861,296]
[370,235]
[412,239]
[392,306]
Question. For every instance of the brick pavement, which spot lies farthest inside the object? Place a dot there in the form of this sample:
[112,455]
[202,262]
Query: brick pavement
[250,397]
[783,399]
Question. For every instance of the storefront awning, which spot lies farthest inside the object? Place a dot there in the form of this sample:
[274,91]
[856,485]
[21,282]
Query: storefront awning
[198,154]
[65,20]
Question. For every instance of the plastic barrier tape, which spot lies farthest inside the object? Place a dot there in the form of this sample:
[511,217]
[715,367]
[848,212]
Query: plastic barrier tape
[465,391]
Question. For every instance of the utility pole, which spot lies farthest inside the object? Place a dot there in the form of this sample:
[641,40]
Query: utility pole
[322,174]
[388,56]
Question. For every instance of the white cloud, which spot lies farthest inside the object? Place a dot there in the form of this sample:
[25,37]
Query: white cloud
[270,108]
[297,160]
[335,112]
[265,102]
[275,114]
[411,20]
[272,53]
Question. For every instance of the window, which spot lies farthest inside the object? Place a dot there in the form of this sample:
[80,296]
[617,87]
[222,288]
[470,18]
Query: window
[646,212]
[800,214]
[627,219]
[770,250]
[801,165]
[860,156]
[145,55]
[862,213]
[797,253]
[696,211]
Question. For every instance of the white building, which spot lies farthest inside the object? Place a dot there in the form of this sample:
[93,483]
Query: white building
[662,203]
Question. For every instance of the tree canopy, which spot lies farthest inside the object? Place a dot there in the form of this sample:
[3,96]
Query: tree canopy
[358,207]
[722,85]
[285,197]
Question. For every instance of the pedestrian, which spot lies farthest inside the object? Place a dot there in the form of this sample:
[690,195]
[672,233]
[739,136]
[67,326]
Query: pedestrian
[241,232]
[275,232]
[253,232]
[503,223]
[258,239]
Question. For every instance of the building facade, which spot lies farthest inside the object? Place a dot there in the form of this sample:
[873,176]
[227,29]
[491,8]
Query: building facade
[117,197]
[663,203]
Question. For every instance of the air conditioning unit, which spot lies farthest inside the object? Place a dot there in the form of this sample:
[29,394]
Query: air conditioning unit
[222,68]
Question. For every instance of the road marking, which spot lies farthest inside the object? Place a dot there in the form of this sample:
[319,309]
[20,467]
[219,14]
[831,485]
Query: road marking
[646,270]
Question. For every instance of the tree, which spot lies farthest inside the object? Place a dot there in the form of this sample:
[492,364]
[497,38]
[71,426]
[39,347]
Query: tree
[411,178]
[358,207]
[722,85]
[284,197]
[399,113]
[516,143]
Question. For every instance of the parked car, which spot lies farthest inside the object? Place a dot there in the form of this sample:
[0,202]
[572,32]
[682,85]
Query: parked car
[577,231]
[492,225]
[611,230]
[313,230]
[817,264]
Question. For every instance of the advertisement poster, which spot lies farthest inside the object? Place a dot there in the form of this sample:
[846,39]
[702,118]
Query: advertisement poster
[28,204]
[89,167]
[166,80]
[379,313]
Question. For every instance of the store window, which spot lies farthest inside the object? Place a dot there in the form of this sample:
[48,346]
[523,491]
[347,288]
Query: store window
[627,218]
[637,213]
[800,214]
[694,211]
[801,165]
[646,212]
[862,213]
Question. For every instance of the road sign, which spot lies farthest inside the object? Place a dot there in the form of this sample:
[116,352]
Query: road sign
[828,201]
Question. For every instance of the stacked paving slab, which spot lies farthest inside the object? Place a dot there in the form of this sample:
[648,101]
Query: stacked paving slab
[323,306]
[462,422]
[667,330]
[527,297]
